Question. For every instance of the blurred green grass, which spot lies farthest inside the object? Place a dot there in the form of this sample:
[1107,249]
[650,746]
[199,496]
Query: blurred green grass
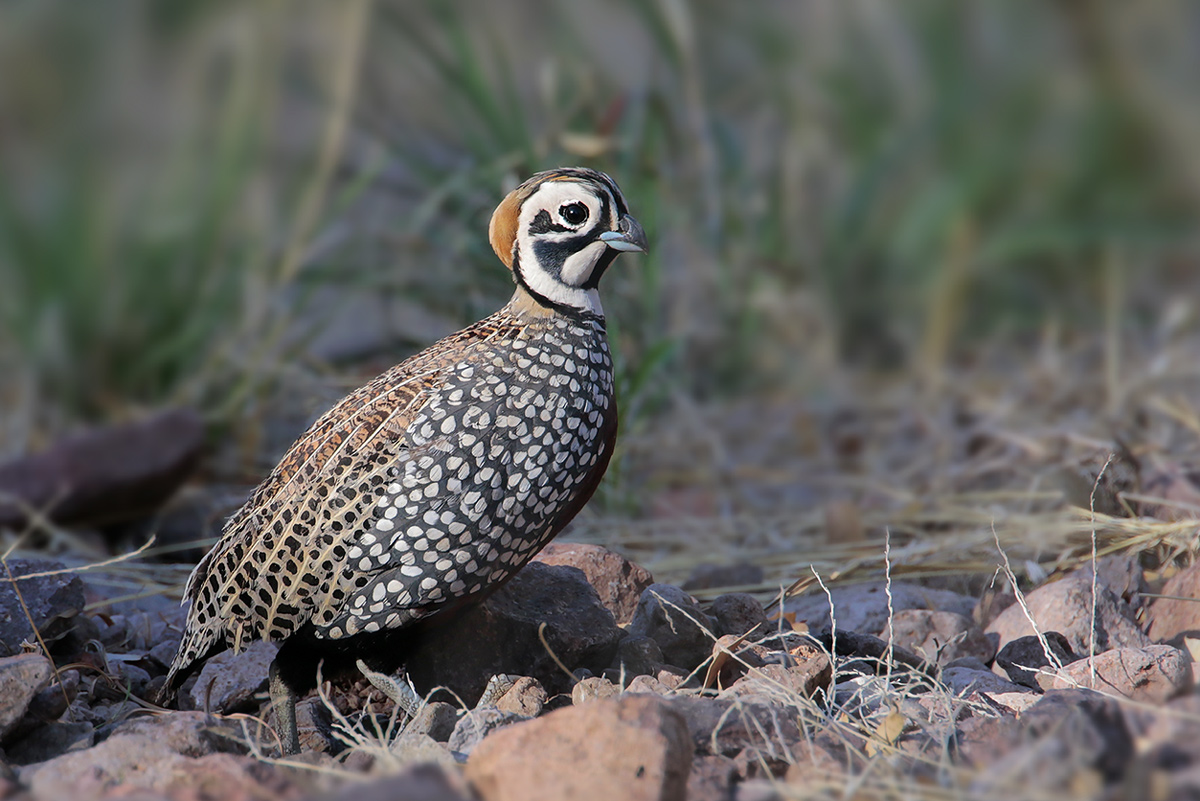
[193,188]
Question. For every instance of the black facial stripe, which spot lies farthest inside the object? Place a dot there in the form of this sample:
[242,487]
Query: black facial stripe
[551,256]
[542,224]
[562,308]
[606,259]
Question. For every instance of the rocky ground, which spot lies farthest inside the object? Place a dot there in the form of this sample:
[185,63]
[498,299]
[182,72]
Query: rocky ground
[612,686]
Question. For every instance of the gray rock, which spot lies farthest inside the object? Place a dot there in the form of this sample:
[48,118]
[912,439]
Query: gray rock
[737,613]
[964,681]
[501,636]
[413,748]
[1066,606]
[864,607]
[164,653]
[194,514]
[127,679]
[638,655]
[727,728]
[674,620]
[50,741]
[51,602]
[436,719]
[229,681]
[191,734]
[21,677]
[478,724]
[1026,662]
[50,704]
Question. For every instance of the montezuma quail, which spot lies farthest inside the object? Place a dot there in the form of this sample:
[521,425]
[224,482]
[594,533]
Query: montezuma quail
[429,487]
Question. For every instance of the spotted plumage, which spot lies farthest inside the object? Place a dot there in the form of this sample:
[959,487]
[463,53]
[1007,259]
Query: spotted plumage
[430,486]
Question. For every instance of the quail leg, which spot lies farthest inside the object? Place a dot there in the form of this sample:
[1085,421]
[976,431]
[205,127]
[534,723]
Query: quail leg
[496,687]
[401,692]
[283,698]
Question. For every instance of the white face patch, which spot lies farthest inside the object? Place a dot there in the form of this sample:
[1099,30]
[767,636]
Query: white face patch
[577,269]
[560,201]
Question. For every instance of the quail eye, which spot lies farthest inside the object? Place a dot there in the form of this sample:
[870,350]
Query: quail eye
[573,213]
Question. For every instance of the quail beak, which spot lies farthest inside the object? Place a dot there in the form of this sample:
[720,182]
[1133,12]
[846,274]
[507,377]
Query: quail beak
[630,237]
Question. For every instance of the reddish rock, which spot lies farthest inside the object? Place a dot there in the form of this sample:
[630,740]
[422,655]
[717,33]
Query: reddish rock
[813,765]
[158,755]
[1151,674]
[618,581]
[593,688]
[647,684]
[1066,606]
[631,748]
[940,637]
[981,740]
[776,682]
[731,658]
[1178,615]
[712,779]
[526,697]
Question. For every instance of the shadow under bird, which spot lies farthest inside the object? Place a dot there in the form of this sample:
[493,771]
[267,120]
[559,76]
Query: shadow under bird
[426,489]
